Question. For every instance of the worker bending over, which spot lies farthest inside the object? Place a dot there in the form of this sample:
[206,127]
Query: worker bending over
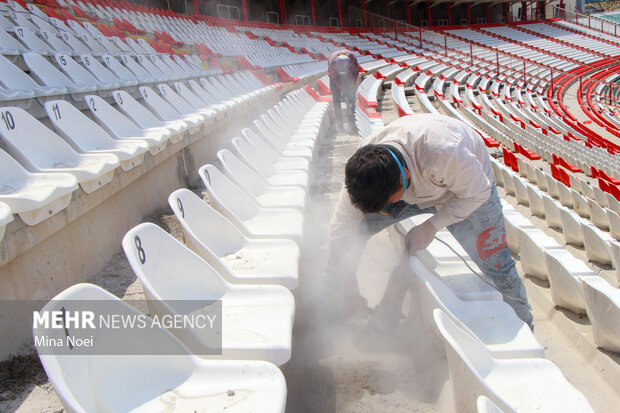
[424,163]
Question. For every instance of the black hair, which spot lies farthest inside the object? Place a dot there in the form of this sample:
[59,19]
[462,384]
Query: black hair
[371,177]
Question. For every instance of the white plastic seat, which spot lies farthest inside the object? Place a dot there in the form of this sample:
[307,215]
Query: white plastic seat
[600,196]
[167,113]
[271,173]
[596,243]
[537,206]
[281,148]
[242,210]
[34,44]
[34,196]
[279,138]
[41,150]
[571,227]
[277,158]
[145,119]
[615,257]
[120,127]
[240,260]
[199,92]
[565,272]
[598,216]
[541,179]
[521,191]
[175,381]
[78,74]
[565,195]
[533,244]
[508,179]
[153,69]
[257,320]
[70,123]
[10,46]
[99,71]
[603,309]
[266,195]
[44,72]
[522,385]
[552,186]
[494,323]
[497,172]
[120,71]
[514,222]
[552,212]
[56,44]
[614,223]
[137,69]
[197,103]
[580,204]
[184,107]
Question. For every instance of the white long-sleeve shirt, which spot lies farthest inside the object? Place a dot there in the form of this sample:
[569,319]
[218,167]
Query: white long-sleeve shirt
[449,167]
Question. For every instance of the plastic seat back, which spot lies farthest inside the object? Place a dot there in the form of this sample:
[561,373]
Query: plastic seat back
[167,268]
[88,381]
[226,192]
[241,173]
[204,224]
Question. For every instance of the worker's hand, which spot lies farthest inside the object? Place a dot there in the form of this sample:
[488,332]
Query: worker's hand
[420,236]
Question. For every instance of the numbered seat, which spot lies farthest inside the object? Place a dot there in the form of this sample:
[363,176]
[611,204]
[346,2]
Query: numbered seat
[494,323]
[167,113]
[523,385]
[153,69]
[266,195]
[70,123]
[55,42]
[109,45]
[257,320]
[166,377]
[78,46]
[565,279]
[201,97]
[34,196]
[120,71]
[32,41]
[78,74]
[9,46]
[145,119]
[99,71]
[45,73]
[41,150]
[275,175]
[120,127]
[215,96]
[237,258]
[242,210]
[603,309]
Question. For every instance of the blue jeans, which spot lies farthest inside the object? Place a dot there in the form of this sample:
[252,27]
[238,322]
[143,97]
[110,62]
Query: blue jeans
[483,237]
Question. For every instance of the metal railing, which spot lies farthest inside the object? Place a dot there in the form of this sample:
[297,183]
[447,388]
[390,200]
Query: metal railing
[591,22]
